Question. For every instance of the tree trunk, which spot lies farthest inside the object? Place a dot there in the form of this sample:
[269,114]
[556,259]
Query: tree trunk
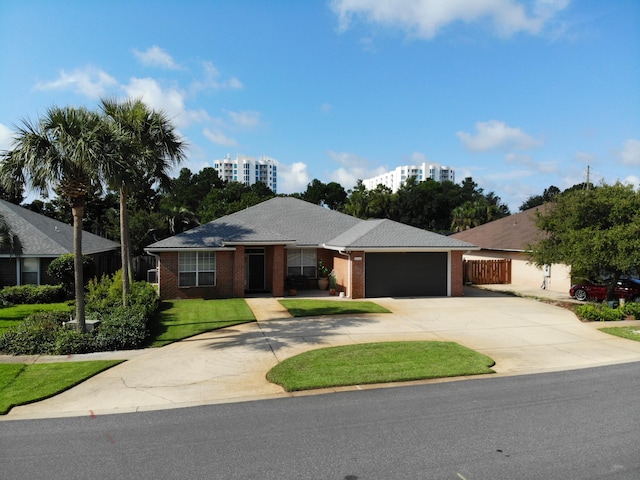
[124,248]
[77,209]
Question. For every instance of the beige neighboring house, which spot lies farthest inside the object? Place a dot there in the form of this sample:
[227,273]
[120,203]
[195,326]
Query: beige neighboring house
[507,239]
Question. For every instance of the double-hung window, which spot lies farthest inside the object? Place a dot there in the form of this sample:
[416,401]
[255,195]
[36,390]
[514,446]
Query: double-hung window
[30,271]
[196,269]
[302,262]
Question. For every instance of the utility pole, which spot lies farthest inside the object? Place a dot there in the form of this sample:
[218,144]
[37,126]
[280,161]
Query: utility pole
[588,172]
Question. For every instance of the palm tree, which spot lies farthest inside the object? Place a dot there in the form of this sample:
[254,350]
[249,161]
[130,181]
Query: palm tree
[144,147]
[61,151]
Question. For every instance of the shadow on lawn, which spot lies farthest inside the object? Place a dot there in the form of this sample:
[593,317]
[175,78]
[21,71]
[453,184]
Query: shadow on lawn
[275,335]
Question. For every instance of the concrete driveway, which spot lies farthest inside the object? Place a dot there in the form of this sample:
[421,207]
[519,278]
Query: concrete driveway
[522,335]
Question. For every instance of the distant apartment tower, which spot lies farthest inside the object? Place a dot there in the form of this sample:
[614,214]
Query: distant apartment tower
[248,170]
[398,177]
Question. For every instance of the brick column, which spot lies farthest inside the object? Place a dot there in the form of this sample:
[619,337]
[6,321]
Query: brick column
[277,277]
[457,273]
[238,272]
[357,275]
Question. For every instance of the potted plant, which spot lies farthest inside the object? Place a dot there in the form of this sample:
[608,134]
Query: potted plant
[323,274]
[333,281]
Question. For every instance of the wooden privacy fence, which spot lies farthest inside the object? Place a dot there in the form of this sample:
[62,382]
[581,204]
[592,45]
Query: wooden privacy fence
[485,272]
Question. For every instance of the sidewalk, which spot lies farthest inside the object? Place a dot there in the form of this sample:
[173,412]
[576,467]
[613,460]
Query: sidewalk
[522,335]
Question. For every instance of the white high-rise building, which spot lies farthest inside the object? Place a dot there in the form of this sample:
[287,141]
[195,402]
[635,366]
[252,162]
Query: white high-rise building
[398,177]
[248,170]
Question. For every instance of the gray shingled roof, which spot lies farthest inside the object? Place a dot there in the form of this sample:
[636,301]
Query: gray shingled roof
[287,220]
[372,234]
[42,236]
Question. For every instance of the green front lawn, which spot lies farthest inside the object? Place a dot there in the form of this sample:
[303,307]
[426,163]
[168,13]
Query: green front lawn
[21,384]
[13,315]
[180,319]
[377,363]
[310,308]
[632,333]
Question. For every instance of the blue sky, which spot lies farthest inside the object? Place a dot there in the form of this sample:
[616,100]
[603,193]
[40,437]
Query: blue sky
[519,95]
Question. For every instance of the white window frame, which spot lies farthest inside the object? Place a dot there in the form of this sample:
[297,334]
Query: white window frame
[198,263]
[24,271]
[302,261]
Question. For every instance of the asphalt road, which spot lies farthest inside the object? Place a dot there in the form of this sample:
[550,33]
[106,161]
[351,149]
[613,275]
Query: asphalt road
[580,424]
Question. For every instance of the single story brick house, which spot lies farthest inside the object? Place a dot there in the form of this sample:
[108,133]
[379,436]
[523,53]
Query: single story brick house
[508,239]
[39,239]
[257,249]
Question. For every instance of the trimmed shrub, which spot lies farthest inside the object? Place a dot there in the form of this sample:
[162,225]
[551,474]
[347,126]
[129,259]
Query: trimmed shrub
[599,313]
[21,294]
[632,309]
[35,335]
[70,341]
[62,269]
[124,328]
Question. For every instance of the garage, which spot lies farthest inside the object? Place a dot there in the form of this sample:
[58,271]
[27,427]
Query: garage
[406,274]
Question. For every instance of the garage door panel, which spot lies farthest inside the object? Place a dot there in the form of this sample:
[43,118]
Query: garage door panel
[406,274]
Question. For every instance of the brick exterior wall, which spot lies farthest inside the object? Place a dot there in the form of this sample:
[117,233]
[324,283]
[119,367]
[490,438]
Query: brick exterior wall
[457,274]
[238,272]
[357,275]
[276,265]
[230,274]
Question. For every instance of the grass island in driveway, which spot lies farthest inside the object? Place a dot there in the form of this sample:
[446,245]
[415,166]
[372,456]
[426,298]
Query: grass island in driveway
[383,362]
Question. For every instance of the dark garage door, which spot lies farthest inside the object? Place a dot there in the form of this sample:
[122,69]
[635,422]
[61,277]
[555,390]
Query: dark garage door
[406,274]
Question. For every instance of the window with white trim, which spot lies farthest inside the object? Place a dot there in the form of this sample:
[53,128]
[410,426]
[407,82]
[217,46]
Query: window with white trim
[30,271]
[302,261]
[196,269]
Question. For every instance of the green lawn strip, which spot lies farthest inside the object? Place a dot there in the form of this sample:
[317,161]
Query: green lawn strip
[632,333]
[21,384]
[180,319]
[310,308]
[377,363]
[13,315]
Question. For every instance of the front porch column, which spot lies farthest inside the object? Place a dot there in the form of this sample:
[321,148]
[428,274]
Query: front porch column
[239,273]
[277,279]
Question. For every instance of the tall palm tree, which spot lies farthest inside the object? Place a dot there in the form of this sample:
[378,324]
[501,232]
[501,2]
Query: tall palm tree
[144,147]
[62,151]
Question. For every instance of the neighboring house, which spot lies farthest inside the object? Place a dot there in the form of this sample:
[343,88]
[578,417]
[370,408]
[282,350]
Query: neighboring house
[256,249]
[39,239]
[507,239]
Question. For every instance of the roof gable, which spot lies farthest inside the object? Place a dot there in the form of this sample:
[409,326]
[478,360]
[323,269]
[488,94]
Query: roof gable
[39,235]
[384,233]
[288,220]
[512,233]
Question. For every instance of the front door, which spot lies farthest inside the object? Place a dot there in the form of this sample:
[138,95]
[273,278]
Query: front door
[254,269]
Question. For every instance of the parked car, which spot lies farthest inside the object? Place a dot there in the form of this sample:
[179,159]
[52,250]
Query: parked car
[627,288]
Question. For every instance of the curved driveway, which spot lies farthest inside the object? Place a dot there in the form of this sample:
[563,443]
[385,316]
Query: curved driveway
[522,336]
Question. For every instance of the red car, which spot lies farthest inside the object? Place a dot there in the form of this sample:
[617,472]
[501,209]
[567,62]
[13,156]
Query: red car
[627,288]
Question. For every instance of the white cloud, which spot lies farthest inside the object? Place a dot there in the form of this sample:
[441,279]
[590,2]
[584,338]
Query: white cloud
[292,178]
[528,161]
[156,57]
[6,137]
[426,18]
[497,135]
[630,153]
[212,80]
[170,100]
[89,81]
[246,118]
[585,157]
[219,138]
[353,168]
